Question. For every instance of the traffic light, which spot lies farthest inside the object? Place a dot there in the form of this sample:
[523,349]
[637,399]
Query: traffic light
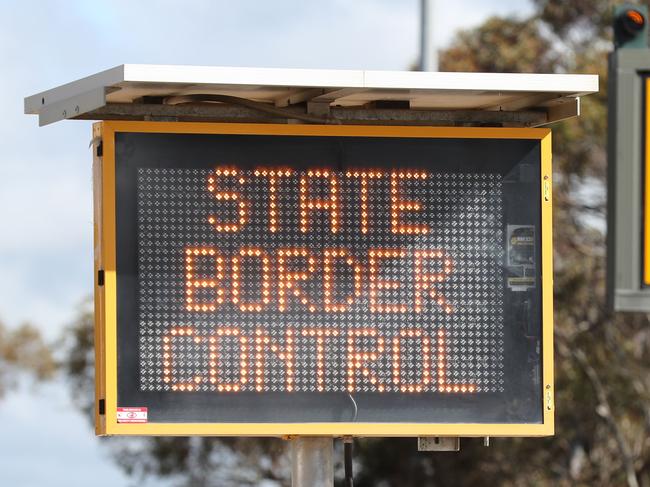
[631,27]
[628,180]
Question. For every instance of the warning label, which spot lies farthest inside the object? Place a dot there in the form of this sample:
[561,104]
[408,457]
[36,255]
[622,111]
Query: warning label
[131,415]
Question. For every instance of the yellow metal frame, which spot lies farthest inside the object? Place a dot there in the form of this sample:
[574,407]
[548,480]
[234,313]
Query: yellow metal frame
[646,187]
[106,305]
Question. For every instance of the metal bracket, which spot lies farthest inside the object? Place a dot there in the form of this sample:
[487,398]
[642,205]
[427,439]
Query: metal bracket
[563,111]
[319,108]
[297,96]
[72,107]
[439,443]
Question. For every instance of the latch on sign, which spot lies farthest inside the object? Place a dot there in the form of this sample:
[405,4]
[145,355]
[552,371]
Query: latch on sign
[547,189]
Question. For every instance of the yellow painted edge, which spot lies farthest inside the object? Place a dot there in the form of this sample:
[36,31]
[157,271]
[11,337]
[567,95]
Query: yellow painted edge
[548,400]
[327,130]
[100,386]
[646,194]
[329,429]
[110,275]
[111,427]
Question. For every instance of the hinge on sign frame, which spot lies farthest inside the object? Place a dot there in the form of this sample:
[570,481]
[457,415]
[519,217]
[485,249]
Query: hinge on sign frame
[101,406]
[100,277]
[100,149]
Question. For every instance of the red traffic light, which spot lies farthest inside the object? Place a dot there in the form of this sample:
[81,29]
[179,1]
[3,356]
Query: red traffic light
[632,21]
[635,17]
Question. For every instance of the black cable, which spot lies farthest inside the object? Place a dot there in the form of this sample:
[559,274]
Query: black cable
[347,462]
[356,409]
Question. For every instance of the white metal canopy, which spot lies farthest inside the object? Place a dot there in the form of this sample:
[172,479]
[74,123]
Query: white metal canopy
[151,92]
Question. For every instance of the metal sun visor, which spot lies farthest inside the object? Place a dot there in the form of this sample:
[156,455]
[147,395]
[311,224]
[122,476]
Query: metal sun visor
[358,96]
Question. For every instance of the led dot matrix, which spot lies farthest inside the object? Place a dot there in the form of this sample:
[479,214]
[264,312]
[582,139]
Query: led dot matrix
[288,279]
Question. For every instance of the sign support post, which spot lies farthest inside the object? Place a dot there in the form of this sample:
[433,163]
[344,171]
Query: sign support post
[311,461]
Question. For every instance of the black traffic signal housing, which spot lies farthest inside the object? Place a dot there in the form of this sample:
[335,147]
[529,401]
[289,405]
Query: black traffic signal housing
[631,27]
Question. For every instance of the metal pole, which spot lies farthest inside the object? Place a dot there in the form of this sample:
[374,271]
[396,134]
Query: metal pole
[428,52]
[311,462]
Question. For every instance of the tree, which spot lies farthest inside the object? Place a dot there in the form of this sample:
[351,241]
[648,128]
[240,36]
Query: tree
[23,352]
[191,462]
[602,361]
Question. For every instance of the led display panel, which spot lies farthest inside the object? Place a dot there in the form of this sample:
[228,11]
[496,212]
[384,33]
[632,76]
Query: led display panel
[282,276]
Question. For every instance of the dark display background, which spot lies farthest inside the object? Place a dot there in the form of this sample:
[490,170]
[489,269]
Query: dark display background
[475,189]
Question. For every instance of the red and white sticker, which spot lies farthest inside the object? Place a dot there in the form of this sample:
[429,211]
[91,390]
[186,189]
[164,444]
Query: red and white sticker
[131,415]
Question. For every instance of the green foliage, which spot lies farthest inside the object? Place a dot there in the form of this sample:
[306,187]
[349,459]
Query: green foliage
[602,361]
[563,17]
[78,363]
[500,46]
[191,462]
[593,17]
[23,350]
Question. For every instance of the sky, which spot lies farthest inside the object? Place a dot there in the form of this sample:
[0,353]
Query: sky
[45,176]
